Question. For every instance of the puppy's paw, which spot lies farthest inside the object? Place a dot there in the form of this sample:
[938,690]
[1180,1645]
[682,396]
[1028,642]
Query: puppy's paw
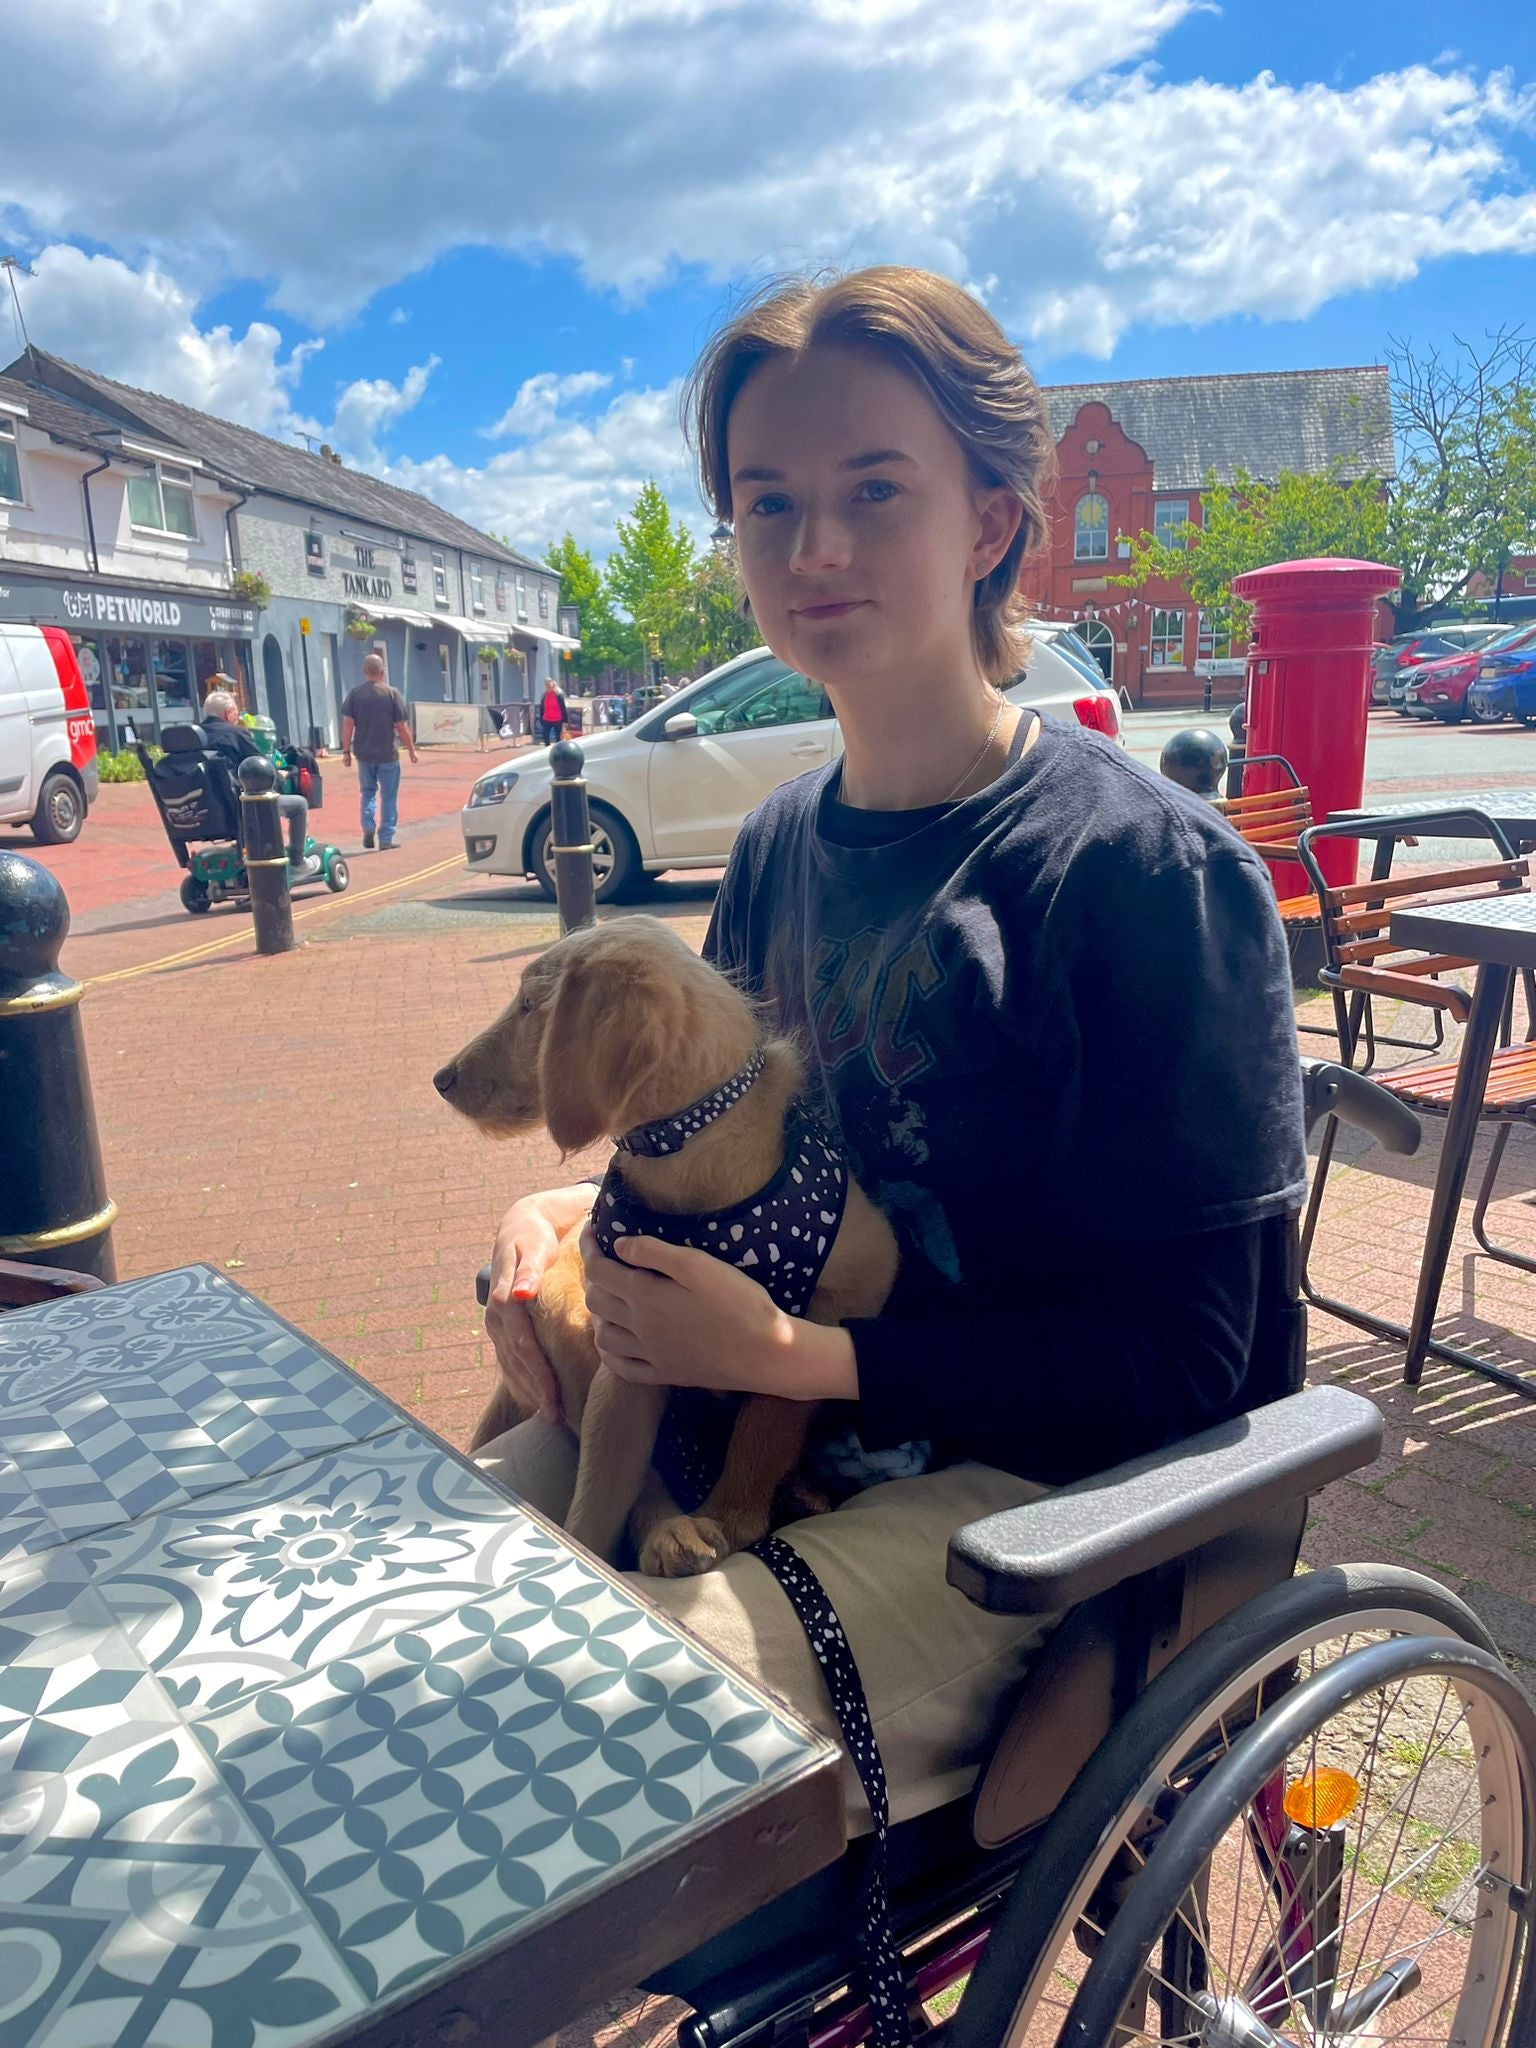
[682,1547]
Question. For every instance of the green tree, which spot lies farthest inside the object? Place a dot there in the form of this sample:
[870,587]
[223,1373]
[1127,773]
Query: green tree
[711,626]
[1249,523]
[648,574]
[606,641]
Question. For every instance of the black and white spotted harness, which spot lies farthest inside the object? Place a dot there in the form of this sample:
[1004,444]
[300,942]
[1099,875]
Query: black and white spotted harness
[782,1237]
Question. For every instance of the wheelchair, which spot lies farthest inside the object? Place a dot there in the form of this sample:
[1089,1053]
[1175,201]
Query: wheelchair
[1229,1808]
[199,807]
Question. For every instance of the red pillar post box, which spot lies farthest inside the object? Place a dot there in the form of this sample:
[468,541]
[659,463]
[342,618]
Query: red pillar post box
[1309,689]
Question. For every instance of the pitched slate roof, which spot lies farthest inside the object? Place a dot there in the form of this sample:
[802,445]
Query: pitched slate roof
[240,453]
[48,414]
[1261,421]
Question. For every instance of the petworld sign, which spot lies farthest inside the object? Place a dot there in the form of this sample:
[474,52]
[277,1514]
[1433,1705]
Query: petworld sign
[92,607]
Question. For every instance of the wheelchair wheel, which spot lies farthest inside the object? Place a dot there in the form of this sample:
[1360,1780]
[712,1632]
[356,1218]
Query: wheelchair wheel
[1357,1868]
[1089,1854]
[337,874]
[194,895]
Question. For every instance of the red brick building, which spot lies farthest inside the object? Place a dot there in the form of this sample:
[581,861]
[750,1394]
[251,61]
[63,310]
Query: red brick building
[1134,458]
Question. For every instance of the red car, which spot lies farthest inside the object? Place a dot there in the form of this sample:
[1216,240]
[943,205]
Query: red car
[1439,689]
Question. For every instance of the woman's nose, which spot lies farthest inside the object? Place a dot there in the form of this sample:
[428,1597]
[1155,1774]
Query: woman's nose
[821,543]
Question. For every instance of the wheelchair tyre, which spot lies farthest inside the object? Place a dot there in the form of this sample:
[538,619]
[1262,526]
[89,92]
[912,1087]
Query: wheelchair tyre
[1379,1925]
[1185,1720]
[337,874]
[194,896]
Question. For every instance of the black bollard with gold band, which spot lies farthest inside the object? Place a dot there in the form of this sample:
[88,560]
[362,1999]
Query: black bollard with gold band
[266,861]
[570,839]
[53,1199]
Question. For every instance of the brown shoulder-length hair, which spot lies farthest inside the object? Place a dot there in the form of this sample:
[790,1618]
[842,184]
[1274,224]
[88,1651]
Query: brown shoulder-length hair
[950,344]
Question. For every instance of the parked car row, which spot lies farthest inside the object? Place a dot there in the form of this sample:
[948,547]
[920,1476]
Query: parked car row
[1494,680]
[673,789]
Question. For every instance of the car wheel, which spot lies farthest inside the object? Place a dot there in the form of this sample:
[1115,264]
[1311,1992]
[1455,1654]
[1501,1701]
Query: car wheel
[60,811]
[1484,713]
[615,856]
[194,895]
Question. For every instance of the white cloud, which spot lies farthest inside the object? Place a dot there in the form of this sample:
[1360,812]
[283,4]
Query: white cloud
[371,404]
[1029,140]
[398,317]
[539,400]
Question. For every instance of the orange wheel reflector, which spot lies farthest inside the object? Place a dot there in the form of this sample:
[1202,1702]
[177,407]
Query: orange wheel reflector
[1322,1798]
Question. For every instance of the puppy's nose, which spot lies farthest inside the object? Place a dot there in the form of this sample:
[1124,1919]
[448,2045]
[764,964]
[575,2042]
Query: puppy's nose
[446,1079]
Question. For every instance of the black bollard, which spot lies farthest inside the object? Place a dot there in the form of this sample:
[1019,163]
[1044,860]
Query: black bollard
[1196,760]
[266,862]
[570,839]
[1236,754]
[54,1209]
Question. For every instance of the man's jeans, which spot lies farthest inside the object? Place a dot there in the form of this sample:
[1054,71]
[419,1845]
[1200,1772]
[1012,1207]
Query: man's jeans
[381,778]
[294,812]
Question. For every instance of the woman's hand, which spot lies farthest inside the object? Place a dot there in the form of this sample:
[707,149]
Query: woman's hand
[662,1313]
[528,1239]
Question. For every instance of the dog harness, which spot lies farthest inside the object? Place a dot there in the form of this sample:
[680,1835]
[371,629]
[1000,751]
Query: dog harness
[781,1237]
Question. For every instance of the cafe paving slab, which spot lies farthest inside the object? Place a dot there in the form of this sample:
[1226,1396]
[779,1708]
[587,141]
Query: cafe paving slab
[276,1118]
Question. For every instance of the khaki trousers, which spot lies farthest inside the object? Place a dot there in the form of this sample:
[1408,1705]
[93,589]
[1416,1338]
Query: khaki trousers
[939,1674]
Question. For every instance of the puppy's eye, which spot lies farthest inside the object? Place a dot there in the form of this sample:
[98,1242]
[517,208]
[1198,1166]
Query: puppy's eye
[526,1005]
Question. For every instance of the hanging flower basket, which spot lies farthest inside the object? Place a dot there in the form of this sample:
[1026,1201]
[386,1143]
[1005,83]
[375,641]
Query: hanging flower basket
[361,627]
[251,587]
[488,652]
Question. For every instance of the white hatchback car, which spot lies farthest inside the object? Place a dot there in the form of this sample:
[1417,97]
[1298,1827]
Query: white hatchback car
[672,790]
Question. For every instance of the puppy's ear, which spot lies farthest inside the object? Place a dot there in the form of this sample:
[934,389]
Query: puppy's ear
[608,1034]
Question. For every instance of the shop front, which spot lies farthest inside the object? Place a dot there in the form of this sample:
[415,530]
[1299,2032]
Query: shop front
[147,656]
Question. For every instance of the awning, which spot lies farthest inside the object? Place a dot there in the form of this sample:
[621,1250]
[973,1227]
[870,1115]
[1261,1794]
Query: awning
[394,611]
[544,633]
[477,630]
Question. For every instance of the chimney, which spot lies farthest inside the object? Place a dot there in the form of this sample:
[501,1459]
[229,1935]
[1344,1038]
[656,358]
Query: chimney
[326,454]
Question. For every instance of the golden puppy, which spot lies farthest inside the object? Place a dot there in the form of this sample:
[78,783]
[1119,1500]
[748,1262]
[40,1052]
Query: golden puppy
[613,1029]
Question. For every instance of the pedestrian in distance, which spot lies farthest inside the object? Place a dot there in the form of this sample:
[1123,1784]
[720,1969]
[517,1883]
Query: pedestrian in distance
[374,727]
[551,714]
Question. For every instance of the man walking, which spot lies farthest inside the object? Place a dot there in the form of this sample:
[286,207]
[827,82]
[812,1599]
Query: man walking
[374,726]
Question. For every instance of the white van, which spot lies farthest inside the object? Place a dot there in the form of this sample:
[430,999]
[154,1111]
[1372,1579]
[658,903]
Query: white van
[47,734]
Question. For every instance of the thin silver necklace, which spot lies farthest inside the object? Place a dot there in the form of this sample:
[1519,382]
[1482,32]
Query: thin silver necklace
[974,763]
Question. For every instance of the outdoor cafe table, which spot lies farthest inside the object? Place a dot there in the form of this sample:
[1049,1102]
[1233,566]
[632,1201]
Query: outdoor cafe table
[1513,810]
[1499,932]
[309,1733]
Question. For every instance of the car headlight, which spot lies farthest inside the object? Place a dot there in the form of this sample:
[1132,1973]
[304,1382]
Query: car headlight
[494,789]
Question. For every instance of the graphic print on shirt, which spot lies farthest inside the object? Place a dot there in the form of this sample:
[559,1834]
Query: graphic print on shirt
[862,1002]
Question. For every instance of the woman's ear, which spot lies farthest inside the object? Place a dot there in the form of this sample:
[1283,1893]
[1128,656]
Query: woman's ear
[999,512]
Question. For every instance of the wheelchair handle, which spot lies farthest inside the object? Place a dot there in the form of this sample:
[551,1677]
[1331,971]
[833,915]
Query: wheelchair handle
[1331,1090]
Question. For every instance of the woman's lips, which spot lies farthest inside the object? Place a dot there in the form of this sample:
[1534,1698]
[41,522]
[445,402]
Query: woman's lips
[829,611]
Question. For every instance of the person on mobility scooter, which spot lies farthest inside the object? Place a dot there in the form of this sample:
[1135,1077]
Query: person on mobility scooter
[196,793]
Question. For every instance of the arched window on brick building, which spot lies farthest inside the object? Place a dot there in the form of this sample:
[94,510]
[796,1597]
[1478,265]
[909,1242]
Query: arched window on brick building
[1090,541]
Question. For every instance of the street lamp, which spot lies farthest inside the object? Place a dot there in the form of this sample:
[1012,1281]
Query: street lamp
[722,535]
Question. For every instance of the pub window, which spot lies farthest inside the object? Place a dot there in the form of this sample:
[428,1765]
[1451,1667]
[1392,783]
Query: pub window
[1091,529]
[476,587]
[10,463]
[408,572]
[1169,518]
[160,501]
[439,577]
[501,591]
[543,600]
[1167,639]
[522,597]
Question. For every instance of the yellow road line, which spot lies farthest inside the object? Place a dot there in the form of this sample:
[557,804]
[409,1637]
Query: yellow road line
[243,934]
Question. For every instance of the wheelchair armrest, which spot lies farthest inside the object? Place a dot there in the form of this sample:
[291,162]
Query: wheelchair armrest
[1331,1090]
[1054,1552]
[483,1285]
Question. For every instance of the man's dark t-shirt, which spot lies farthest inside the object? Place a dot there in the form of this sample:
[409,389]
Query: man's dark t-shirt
[1053,1024]
[375,709]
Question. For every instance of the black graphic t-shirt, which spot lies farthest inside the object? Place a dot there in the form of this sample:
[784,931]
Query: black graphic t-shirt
[1053,1027]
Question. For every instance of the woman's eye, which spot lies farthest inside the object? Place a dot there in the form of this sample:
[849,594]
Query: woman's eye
[768,504]
[876,490]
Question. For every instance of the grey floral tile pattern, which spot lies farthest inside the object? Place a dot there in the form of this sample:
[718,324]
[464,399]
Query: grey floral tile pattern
[296,1707]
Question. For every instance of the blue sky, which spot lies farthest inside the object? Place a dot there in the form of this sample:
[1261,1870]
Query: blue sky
[397,223]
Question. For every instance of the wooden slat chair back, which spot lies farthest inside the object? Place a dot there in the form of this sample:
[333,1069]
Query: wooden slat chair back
[1271,823]
[1361,956]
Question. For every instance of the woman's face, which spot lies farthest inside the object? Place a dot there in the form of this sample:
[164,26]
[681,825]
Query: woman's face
[860,531]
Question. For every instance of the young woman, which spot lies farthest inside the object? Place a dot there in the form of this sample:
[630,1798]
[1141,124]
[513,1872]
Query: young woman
[1043,994]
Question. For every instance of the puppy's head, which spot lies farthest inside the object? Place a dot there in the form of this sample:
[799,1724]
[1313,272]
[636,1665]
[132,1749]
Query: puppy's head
[610,1027]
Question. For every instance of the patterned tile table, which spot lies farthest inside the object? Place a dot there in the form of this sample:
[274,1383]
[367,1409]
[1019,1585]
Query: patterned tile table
[310,1734]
